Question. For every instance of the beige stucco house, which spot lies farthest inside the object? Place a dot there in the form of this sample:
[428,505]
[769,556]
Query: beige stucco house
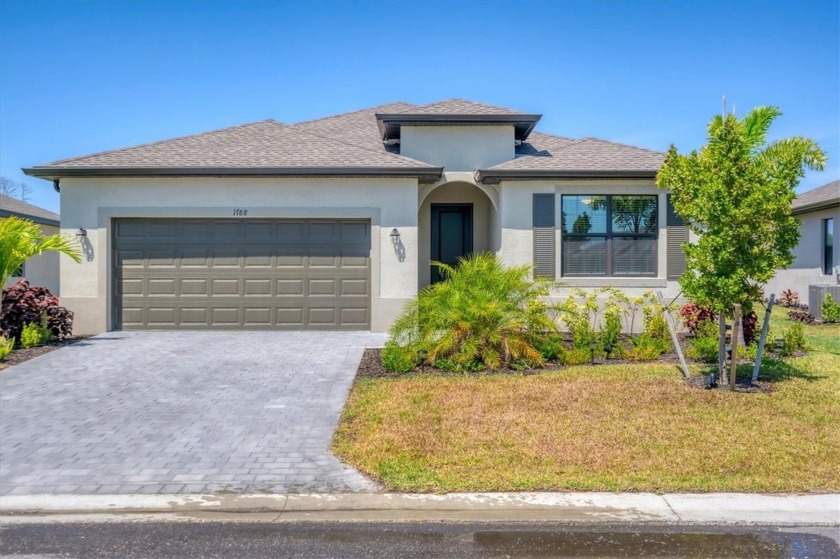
[817,254]
[333,223]
[41,270]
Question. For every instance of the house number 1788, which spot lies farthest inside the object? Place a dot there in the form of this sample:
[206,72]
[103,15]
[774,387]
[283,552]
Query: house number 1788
[240,212]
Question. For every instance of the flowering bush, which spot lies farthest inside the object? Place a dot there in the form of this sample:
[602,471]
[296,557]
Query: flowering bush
[24,304]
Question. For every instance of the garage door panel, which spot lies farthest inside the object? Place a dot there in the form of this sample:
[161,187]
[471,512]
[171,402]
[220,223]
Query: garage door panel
[205,274]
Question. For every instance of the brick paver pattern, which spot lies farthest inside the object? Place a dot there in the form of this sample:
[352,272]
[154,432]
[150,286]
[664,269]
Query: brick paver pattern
[180,412]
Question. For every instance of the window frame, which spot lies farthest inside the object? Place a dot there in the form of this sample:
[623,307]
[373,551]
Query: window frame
[609,235]
[20,272]
[827,249]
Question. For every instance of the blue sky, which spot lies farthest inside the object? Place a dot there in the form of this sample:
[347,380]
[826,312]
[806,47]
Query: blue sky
[80,77]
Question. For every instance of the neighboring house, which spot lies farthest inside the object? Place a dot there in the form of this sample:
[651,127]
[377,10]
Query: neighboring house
[334,223]
[817,254]
[41,270]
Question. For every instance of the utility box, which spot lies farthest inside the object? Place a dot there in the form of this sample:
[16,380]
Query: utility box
[816,295]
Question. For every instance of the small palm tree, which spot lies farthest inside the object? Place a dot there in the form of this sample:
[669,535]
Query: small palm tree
[482,315]
[21,239]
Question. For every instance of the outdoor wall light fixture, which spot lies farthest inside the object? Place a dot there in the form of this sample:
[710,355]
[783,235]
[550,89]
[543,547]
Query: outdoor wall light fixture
[81,234]
[395,236]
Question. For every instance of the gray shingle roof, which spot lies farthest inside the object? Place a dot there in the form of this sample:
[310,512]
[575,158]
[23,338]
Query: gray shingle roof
[13,206]
[349,140]
[822,196]
[357,127]
[547,152]
[260,144]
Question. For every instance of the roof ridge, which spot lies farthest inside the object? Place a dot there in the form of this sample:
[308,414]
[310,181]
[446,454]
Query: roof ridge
[156,142]
[346,113]
[552,136]
[471,102]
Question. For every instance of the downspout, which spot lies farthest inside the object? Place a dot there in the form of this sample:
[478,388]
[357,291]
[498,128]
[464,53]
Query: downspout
[57,185]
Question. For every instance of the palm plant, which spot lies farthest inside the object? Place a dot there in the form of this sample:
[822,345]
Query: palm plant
[482,315]
[21,239]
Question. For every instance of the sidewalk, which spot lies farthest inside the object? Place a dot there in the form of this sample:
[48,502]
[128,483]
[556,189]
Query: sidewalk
[712,508]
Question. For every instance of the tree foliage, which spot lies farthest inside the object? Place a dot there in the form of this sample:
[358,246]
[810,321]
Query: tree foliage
[736,194]
[21,239]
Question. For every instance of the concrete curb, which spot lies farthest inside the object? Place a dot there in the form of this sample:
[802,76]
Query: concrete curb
[714,508]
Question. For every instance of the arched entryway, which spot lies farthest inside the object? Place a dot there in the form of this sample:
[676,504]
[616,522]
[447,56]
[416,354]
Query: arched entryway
[455,218]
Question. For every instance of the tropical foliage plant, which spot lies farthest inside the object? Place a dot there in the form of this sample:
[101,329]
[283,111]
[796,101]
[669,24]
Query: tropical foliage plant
[482,315]
[21,239]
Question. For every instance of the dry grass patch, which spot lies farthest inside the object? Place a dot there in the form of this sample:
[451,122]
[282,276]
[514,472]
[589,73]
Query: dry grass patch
[618,427]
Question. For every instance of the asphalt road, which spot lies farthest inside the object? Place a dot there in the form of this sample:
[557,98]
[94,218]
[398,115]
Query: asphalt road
[312,540]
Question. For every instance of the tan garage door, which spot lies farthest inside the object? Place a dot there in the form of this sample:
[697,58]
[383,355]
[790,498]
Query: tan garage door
[241,274]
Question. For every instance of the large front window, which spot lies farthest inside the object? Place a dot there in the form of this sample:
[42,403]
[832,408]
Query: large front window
[609,235]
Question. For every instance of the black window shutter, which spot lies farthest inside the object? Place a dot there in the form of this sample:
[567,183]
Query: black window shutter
[544,234]
[677,236]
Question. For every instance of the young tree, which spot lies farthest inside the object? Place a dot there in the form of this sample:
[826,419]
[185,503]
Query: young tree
[736,194]
[21,239]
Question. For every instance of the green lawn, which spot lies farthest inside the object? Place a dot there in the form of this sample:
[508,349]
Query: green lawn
[611,428]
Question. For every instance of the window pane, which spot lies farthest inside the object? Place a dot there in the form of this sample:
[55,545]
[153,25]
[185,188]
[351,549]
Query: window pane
[829,232]
[828,246]
[634,214]
[584,256]
[633,256]
[584,214]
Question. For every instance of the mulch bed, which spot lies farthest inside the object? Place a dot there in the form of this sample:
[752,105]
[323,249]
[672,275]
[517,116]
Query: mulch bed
[18,356]
[370,366]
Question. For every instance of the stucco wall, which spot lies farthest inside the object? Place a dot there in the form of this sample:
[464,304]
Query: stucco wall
[93,203]
[806,268]
[458,148]
[42,270]
[516,247]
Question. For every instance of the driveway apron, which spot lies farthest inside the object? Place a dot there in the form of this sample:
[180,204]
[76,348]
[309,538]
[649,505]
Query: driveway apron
[180,412]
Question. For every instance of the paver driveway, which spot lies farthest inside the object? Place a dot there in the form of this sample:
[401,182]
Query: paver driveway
[180,412]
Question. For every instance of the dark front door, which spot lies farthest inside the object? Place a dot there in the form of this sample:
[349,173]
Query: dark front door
[452,234]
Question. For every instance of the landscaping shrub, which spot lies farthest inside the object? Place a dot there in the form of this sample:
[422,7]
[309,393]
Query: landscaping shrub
[398,359]
[788,298]
[655,325]
[693,316]
[35,333]
[801,316]
[577,356]
[550,346]
[703,346]
[482,315]
[611,330]
[6,347]
[794,339]
[646,348]
[24,304]
[830,309]
[580,317]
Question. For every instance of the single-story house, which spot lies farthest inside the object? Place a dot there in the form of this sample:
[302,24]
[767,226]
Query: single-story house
[334,223]
[817,254]
[40,270]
